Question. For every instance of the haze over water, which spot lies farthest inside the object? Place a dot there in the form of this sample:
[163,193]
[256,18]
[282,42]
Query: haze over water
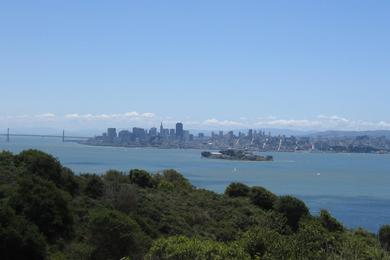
[353,187]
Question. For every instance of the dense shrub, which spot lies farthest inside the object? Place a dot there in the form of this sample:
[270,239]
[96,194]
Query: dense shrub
[19,238]
[49,168]
[121,215]
[180,247]
[41,202]
[141,178]
[329,222]
[116,176]
[115,235]
[262,197]
[294,209]
[176,179]
[237,189]
[94,187]
[384,237]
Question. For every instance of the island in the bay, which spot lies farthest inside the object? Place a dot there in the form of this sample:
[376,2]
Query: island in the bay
[249,140]
[238,155]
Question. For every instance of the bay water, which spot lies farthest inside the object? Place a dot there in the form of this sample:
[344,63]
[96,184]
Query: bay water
[355,188]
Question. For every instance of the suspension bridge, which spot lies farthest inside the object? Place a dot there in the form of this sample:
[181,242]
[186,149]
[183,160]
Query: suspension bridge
[64,137]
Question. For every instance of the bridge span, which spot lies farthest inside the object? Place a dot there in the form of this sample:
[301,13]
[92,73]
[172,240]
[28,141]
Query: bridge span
[64,137]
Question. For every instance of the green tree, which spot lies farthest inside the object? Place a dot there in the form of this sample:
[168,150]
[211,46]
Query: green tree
[294,209]
[176,179]
[19,238]
[263,243]
[384,237]
[141,178]
[237,189]
[47,167]
[41,202]
[94,187]
[115,235]
[180,247]
[262,197]
[329,222]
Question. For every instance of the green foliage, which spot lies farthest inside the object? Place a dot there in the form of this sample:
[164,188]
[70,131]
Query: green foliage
[262,197]
[175,178]
[237,189]
[47,167]
[329,222]
[313,241]
[141,178]
[294,209]
[116,176]
[180,247]
[384,237]
[261,242]
[360,244]
[41,202]
[94,187]
[115,235]
[19,239]
[43,215]
[121,196]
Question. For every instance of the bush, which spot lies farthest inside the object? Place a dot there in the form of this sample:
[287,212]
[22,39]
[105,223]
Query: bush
[95,187]
[262,198]
[115,235]
[141,178]
[262,243]
[180,247]
[384,237]
[116,176]
[19,238]
[329,222]
[176,179]
[45,205]
[122,197]
[237,189]
[294,209]
[47,167]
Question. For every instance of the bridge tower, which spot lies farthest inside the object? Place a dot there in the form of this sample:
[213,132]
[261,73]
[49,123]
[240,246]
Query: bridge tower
[7,134]
[63,136]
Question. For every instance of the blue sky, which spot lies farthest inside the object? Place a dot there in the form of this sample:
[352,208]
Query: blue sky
[211,64]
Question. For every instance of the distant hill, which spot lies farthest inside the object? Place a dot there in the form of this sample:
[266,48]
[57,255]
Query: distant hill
[338,134]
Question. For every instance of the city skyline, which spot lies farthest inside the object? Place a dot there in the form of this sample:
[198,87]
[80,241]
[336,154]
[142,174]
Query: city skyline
[96,122]
[219,64]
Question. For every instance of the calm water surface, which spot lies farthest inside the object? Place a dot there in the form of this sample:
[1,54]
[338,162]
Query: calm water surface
[353,187]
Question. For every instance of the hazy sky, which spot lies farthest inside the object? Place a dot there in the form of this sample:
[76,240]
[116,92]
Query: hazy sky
[286,64]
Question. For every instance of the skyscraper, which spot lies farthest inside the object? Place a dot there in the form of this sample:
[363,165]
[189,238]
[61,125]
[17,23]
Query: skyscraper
[161,129]
[111,134]
[179,131]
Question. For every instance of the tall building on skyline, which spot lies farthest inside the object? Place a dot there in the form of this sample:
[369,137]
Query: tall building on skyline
[111,134]
[179,131]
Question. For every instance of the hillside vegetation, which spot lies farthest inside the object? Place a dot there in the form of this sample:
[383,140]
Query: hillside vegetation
[48,212]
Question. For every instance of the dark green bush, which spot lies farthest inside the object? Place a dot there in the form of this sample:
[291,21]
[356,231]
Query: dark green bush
[237,189]
[141,178]
[294,209]
[262,197]
[19,238]
[115,235]
[41,202]
[94,187]
[329,222]
[384,237]
[180,247]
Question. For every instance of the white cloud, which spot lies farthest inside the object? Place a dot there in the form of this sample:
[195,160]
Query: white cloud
[216,122]
[46,115]
[149,119]
[323,122]
[123,116]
